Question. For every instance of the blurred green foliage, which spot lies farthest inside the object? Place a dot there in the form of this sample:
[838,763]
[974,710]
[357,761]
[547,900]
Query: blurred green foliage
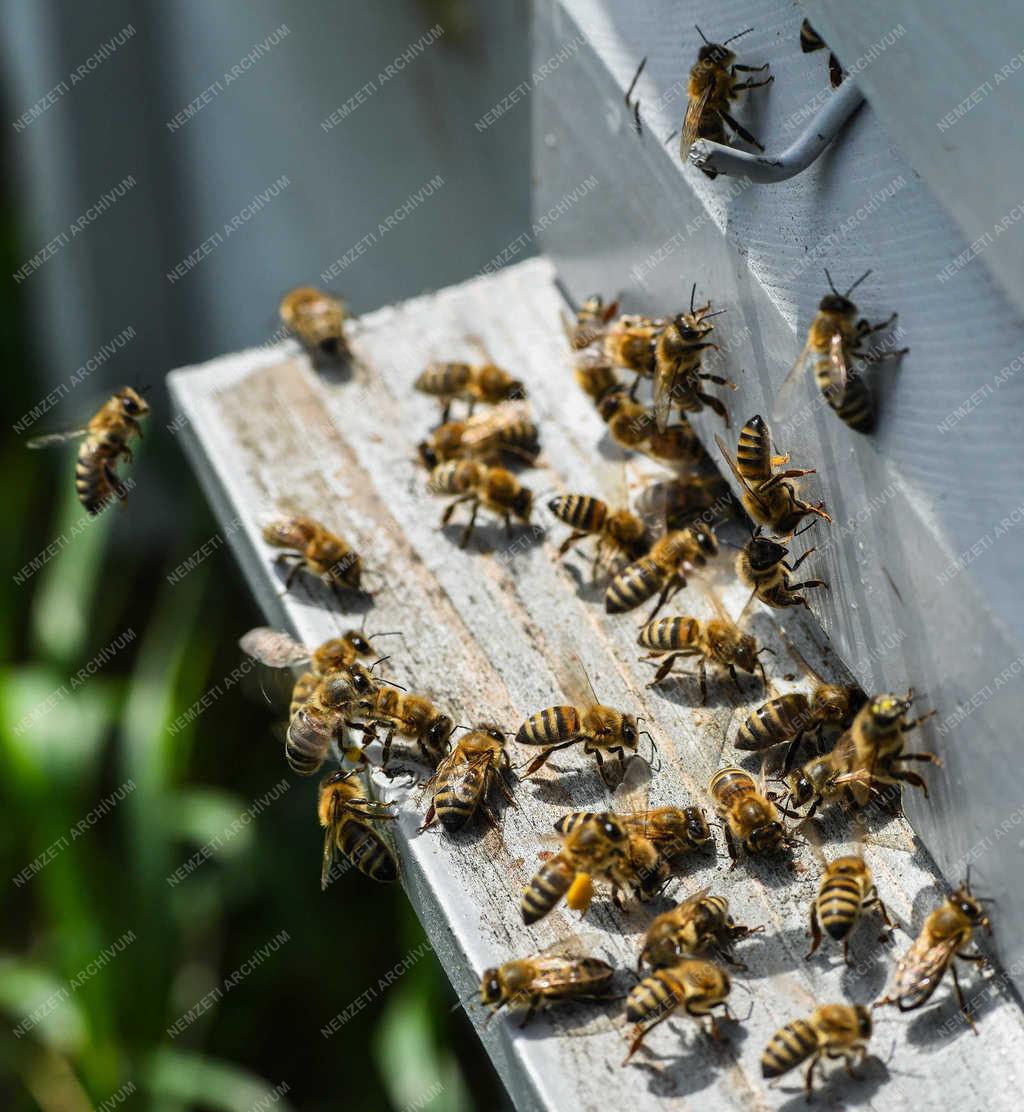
[101,956]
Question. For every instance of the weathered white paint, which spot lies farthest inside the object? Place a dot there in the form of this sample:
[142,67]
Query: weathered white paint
[910,500]
[483,631]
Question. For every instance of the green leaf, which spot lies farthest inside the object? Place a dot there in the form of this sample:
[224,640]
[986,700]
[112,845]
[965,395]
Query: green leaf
[40,1006]
[202,1082]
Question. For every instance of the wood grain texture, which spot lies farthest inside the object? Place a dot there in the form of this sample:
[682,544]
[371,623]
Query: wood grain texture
[483,633]
[924,558]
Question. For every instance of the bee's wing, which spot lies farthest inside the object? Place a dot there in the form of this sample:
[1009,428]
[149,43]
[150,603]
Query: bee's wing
[664,384]
[920,970]
[691,121]
[55,438]
[330,845]
[736,471]
[719,607]
[633,791]
[574,945]
[785,399]
[813,836]
[273,648]
[692,901]
[574,681]
[482,427]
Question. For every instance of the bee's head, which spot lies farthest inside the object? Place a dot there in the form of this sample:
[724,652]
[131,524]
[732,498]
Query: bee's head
[132,403]
[837,303]
[715,54]
[522,504]
[763,553]
[490,987]
[359,643]
[863,1014]
[706,540]
[888,708]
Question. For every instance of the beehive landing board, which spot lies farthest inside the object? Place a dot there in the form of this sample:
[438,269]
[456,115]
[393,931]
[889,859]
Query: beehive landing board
[483,632]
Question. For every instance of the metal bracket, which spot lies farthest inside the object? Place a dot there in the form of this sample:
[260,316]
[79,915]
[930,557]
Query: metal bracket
[807,146]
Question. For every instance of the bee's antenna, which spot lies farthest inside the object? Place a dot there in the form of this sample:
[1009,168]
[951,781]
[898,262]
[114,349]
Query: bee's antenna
[702,35]
[739,34]
[144,389]
[831,284]
[693,293]
[388,633]
[857,283]
[716,313]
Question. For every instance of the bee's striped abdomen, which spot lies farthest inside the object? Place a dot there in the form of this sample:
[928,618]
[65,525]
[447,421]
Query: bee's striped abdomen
[651,997]
[547,886]
[456,799]
[773,722]
[753,454]
[667,634]
[567,823]
[444,379]
[580,511]
[95,479]
[549,726]
[633,586]
[838,906]
[854,406]
[367,851]
[789,1046]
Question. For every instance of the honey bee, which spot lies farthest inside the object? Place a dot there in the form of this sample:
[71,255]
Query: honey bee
[591,322]
[694,985]
[320,717]
[671,830]
[662,570]
[761,565]
[620,533]
[317,319]
[408,715]
[601,729]
[470,383]
[313,548]
[677,362]
[717,640]
[769,496]
[789,718]
[810,41]
[944,936]
[594,375]
[679,500]
[494,488]
[629,343]
[507,430]
[633,426]
[464,777]
[877,738]
[700,924]
[847,889]
[748,817]
[279,650]
[826,778]
[546,978]
[831,1031]
[834,340]
[346,814]
[599,847]
[711,87]
[106,441]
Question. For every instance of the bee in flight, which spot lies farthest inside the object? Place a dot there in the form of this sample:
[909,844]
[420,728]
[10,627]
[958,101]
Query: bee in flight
[470,383]
[663,570]
[811,41]
[711,88]
[317,319]
[506,432]
[769,496]
[761,565]
[477,762]
[678,348]
[835,340]
[945,935]
[106,441]
[313,548]
[346,815]
[831,1031]
[693,985]
[601,729]
[559,973]
[719,641]
[700,924]
[632,426]
[620,533]
[493,488]
[599,846]
[749,818]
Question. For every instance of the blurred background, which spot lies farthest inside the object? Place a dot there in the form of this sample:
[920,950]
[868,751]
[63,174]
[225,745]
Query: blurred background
[137,130]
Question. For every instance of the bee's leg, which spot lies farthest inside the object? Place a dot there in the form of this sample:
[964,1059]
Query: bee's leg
[740,130]
[809,1077]
[730,845]
[750,85]
[664,668]
[807,585]
[293,571]
[796,563]
[735,678]
[716,406]
[918,721]
[598,756]
[634,387]
[428,818]
[750,69]
[385,753]
[450,508]
[446,411]
[662,599]
[931,758]
[543,756]
[470,525]
[816,935]
[848,1060]
[642,1033]
[960,998]
[789,760]
[472,406]
[574,538]
[875,902]
[866,328]
[703,681]
[530,1011]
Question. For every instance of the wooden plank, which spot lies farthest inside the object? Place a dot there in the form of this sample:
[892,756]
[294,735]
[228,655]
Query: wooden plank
[482,632]
[923,562]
